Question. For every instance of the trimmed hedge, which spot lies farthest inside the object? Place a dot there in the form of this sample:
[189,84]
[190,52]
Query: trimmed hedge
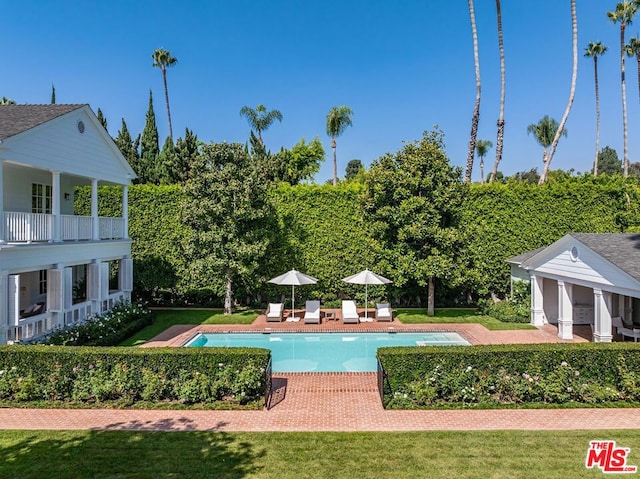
[126,376]
[323,232]
[489,376]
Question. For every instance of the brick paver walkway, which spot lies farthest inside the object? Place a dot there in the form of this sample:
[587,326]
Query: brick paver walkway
[331,401]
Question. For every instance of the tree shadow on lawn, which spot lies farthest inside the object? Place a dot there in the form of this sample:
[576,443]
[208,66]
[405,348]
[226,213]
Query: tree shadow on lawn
[167,451]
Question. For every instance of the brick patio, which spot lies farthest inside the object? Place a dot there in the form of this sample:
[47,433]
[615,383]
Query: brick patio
[332,401]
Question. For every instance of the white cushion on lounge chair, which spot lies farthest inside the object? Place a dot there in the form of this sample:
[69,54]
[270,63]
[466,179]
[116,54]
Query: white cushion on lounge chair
[274,309]
[349,312]
[312,312]
[383,309]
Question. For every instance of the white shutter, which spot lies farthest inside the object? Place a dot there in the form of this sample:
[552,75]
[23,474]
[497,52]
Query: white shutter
[54,290]
[125,277]
[93,281]
[13,309]
[68,288]
[104,280]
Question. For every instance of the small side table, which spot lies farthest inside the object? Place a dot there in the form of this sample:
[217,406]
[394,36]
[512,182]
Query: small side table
[330,315]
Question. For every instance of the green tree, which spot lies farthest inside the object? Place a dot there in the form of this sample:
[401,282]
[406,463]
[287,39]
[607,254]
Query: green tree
[260,119]
[229,215]
[129,147]
[482,148]
[608,161]
[475,119]
[633,50]
[500,134]
[7,101]
[163,59]
[53,94]
[102,119]
[574,77]
[412,201]
[302,162]
[338,119]
[186,152]
[166,160]
[544,131]
[623,14]
[354,168]
[149,146]
[596,50]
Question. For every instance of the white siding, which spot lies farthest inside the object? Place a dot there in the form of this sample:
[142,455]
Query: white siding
[588,269]
[58,145]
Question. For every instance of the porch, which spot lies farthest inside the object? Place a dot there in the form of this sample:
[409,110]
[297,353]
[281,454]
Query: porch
[28,228]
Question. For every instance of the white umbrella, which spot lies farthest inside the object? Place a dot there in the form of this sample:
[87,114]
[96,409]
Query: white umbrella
[293,278]
[366,277]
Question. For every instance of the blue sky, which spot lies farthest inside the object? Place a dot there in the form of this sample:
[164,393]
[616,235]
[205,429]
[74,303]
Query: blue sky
[401,66]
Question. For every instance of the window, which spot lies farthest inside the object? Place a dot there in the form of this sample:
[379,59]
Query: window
[40,198]
[43,281]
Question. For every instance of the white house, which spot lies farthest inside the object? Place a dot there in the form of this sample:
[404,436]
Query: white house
[56,267]
[584,278]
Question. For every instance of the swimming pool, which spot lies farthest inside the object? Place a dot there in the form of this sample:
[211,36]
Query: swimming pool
[325,352]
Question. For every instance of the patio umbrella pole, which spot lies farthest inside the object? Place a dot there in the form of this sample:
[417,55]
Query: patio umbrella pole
[366,303]
[293,300]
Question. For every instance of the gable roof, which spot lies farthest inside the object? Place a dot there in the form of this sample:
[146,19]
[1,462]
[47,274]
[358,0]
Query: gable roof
[620,249]
[15,119]
[521,258]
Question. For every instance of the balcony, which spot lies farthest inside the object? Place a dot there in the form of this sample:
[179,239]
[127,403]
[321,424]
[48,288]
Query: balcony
[38,227]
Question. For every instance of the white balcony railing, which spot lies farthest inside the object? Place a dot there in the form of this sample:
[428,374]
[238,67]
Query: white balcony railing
[37,227]
[78,313]
[28,328]
[27,227]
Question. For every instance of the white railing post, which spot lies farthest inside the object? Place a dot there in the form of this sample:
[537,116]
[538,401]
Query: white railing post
[55,205]
[4,307]
[94,210]
[2,217]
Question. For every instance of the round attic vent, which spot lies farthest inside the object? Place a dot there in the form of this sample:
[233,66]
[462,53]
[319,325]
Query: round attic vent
[80,126]
[574,254]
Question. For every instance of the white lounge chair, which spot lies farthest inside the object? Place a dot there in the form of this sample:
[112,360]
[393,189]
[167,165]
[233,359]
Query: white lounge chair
[383,312]
[312,312]
[349,312]
[274,312]
[624,331]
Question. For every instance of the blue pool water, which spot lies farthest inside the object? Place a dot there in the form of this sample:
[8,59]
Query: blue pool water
[325,352]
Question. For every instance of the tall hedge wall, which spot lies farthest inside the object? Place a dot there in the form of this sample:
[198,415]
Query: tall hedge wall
[323,232]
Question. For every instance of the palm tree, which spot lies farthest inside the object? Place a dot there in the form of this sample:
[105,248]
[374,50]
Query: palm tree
[596,50]
[624,14]
[476,109]
[574,77]
[633,50]
[544,132]
[7,101]
[260,119]
[482,148]
[163,59]
[500,135]
[338,119]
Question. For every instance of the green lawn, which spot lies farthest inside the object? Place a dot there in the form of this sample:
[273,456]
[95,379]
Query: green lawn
[496,454]
[166,318]
[457,316]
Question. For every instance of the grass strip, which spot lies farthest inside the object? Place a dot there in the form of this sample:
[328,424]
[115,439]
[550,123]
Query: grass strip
[496,454]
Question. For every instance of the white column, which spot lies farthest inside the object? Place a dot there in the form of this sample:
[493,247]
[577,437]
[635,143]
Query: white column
[602,316]
[2,236]
[125,211]
[55,295]
[55,205]
[622,303]
[538,317]
[94,210]
[4,306]
[565,310]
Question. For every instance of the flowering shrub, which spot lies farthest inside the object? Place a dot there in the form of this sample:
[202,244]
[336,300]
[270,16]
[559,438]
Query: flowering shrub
[108,329]
[126,376]
[490,376]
